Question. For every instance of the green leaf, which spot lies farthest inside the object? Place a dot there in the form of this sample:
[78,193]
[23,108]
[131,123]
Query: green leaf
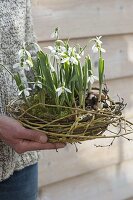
[101,70]
[46,71]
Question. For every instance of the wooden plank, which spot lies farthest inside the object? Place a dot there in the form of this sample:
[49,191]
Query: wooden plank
[111,183]
[78,19]
[67,163]
[55,167]
[118,58]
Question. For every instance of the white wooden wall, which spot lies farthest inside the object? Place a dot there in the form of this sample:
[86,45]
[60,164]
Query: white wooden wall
[92,173]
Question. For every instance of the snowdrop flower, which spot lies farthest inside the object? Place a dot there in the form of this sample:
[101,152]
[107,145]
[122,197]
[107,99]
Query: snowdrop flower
[55,35]
[61,90]
[78,56]
[38,83]
[63,49]
[25,91]
[23,53]
[92,78]
[69,51]
[65,60]
[16,65]
[72,59]
[98,45]
[54,52]
[52,49]
[27,65]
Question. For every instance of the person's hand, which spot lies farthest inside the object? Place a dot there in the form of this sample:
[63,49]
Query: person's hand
[22,139]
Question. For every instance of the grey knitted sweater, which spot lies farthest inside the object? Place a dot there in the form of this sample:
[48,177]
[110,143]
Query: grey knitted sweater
[15,29]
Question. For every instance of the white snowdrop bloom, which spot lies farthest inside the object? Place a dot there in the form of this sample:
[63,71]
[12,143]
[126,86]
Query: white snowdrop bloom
[57,56]
[54,35]
[64,60]
[70,51]
[92,78]
[97,46]
[70,59]
[78,56]
[25,91]
[103,50]
[94,48]
[30,63]
[67,90]
[52,49]
[16,65]
[63,49]
[54,52]
[62,54]
[39,84]
[26,66]
[59,91]
[98,40]
[27,53]
[73,60]
[21,53]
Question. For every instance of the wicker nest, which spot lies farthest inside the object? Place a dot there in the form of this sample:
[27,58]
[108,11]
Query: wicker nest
[74,124]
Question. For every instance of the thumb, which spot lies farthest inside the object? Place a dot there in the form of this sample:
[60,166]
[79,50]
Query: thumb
[33,135]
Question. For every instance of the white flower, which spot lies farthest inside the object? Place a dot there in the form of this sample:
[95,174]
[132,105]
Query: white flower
[30,63]
[78,56]
[56,56]
[38,83]
[52,49]
[98,40]
[17,65]
[98,45]
[65,60]
[94,48]
[73,60]
[21,53]
[61,90]
[67,90]
[70,59]
[63,49]
[25,91]
[27,65]
[54,52]
[54,35]
[70,51]
[92,78]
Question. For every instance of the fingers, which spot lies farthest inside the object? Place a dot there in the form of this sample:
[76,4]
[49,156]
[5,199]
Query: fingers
[32,135]
[25,145]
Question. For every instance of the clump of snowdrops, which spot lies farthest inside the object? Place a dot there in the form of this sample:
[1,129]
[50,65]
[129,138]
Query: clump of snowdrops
[56,93]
